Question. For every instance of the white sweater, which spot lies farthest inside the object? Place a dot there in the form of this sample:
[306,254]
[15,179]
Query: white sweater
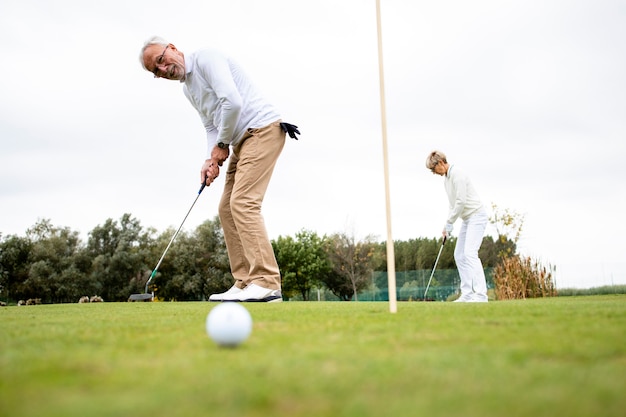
[462,197]
[228,103]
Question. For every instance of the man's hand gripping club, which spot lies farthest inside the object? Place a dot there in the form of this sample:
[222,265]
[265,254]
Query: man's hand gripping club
[211,168]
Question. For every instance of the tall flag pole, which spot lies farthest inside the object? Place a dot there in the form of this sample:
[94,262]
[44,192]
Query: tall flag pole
[391,259]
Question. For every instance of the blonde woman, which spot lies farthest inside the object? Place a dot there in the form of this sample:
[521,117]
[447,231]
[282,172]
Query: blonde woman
[465,204]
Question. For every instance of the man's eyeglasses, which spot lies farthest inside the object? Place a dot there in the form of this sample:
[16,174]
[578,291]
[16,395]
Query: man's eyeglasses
[159,61]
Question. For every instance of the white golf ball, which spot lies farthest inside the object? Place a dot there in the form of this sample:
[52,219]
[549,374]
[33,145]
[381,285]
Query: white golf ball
[229,324]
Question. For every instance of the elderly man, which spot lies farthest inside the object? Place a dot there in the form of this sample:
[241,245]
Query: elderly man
[240,123]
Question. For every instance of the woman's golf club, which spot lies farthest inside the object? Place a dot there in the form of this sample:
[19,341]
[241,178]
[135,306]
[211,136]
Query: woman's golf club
[436,261]
[148,296]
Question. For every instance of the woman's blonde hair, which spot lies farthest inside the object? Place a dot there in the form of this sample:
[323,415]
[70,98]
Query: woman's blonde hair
[434,158]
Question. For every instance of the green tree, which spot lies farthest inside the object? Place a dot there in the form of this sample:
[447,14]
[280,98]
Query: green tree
[351,265]
[119,252]
[488,252]
[415,254]
[420,254]
[196,265]
[14,266]
[429,249]
[58,272]
[213,256]
[303,262]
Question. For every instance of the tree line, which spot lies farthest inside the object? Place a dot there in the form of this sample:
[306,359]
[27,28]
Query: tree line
[55,265]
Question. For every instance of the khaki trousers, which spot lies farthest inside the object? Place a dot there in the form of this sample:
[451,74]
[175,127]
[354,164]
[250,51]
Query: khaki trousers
[249,172]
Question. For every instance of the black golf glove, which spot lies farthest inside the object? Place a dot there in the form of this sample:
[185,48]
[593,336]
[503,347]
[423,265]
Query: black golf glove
[290,129]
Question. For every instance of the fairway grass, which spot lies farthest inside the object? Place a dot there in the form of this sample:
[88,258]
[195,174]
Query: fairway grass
[542,357]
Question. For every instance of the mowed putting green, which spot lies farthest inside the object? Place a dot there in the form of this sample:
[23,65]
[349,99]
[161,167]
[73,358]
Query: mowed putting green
[544,357]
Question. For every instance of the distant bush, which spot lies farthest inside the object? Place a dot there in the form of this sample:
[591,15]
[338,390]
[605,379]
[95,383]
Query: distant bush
[604,290]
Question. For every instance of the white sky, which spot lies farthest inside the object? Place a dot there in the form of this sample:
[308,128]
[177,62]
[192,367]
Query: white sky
[528,96]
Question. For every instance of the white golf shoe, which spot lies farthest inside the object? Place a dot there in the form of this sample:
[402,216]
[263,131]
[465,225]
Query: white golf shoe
[464,298]
[478,298]
[254,293]
[472,298]
[220,297]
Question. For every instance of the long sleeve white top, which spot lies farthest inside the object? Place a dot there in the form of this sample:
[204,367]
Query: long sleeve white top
[228,103]
[462,197]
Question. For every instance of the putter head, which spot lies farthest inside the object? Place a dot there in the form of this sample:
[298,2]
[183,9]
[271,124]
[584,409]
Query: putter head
[141,297]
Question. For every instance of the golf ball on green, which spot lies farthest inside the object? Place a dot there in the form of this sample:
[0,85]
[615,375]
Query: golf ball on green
[229,324]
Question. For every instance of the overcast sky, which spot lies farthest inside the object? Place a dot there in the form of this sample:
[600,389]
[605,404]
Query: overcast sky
[527,96]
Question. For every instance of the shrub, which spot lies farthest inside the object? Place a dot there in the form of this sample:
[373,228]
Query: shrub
[603,290]
[517,277]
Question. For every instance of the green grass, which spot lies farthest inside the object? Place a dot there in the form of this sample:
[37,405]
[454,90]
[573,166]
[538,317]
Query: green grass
[540,357]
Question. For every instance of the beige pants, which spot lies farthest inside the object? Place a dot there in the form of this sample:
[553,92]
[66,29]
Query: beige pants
[249,172]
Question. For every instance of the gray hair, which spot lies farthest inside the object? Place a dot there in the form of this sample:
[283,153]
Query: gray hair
[154,40]
[434,158]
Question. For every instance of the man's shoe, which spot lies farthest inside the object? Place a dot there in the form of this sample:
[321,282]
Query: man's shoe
[220,297]
[254,293]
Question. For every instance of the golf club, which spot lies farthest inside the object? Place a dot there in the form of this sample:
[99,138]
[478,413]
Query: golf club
[436,261]
[149,296]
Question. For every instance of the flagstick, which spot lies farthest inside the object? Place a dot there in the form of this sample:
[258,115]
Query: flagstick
[391,260]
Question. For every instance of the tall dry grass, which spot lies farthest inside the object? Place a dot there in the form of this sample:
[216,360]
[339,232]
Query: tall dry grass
[517,277]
